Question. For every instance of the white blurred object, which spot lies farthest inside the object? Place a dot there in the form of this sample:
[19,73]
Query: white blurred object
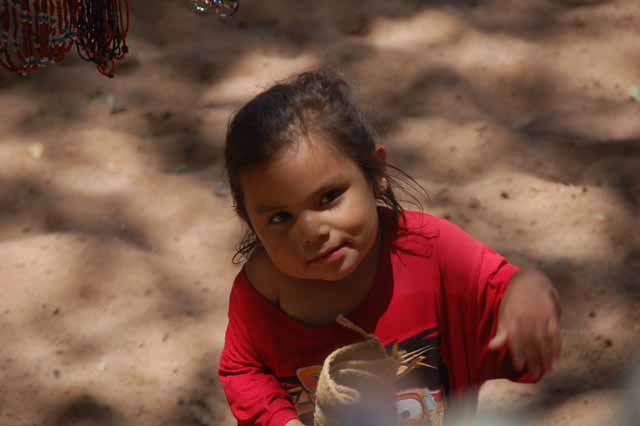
[36,150]
[630,414]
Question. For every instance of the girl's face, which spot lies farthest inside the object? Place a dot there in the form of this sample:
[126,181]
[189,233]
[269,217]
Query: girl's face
[313,210]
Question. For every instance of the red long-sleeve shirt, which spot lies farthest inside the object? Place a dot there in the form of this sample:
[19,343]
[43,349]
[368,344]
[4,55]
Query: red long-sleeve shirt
[436,292]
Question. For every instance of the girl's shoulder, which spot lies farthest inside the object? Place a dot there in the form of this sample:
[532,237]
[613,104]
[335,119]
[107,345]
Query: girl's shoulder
[417,223]
[438,235]
[423,234]
[263,276]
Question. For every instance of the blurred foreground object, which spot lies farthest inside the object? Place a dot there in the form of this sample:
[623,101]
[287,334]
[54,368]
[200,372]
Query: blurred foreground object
[356,384]
[630,414]
[37,33]
[224,8]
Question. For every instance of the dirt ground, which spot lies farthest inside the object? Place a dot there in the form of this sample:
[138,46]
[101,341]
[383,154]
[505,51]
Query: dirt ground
[116,232]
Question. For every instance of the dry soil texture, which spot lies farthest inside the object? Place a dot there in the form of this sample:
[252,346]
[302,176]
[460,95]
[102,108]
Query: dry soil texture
[116,232]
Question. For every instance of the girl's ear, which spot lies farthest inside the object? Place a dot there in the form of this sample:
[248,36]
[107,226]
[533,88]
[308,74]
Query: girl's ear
[381,158]
[381,154]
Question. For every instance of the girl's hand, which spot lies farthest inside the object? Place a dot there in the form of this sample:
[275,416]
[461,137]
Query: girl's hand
[529,323]
[294,422]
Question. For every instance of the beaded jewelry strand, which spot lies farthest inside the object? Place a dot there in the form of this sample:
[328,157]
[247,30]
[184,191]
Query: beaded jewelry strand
[102,27]
[223,8]
[37,33]
[33,33]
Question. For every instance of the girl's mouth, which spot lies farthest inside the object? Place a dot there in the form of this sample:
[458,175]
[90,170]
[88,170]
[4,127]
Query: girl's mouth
[330,255]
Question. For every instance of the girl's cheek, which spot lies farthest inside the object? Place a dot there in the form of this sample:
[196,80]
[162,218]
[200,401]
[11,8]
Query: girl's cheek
[279,246]
[361,212]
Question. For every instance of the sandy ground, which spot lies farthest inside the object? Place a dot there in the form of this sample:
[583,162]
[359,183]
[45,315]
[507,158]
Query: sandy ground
[116,232]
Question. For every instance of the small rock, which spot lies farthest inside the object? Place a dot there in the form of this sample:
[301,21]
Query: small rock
[182,168]
[56,311]
[36,150]
[221,189]
[474,203]
[56,374]
[592,314]
[116,104]
[634,92]
[608,343]
[505,195]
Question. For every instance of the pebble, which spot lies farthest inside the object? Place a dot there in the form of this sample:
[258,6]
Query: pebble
[221,189]
[36,150]
[474,203]
[601,217]
[116,104]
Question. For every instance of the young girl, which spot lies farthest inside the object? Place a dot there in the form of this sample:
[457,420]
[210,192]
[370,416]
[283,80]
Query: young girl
[327,237]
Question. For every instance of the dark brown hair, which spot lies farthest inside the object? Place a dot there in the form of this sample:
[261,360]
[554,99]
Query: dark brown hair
[312,102]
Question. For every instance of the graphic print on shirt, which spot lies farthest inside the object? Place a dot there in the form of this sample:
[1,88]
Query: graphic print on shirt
[421,392]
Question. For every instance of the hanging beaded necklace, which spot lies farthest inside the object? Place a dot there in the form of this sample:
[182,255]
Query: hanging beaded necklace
[37,33]
[102,27]
[33,33]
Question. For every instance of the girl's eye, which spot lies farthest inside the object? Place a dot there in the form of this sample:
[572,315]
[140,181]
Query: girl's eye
[279,218]
[330,196]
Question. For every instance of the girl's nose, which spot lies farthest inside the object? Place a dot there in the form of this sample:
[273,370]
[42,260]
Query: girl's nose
[312,229]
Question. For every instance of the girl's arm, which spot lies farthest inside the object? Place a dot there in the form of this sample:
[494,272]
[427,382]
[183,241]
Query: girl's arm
[475,303]
[255,396]
[528,322]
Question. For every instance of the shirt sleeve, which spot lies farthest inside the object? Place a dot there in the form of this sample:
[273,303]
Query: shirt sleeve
[255,396]
[474,280]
